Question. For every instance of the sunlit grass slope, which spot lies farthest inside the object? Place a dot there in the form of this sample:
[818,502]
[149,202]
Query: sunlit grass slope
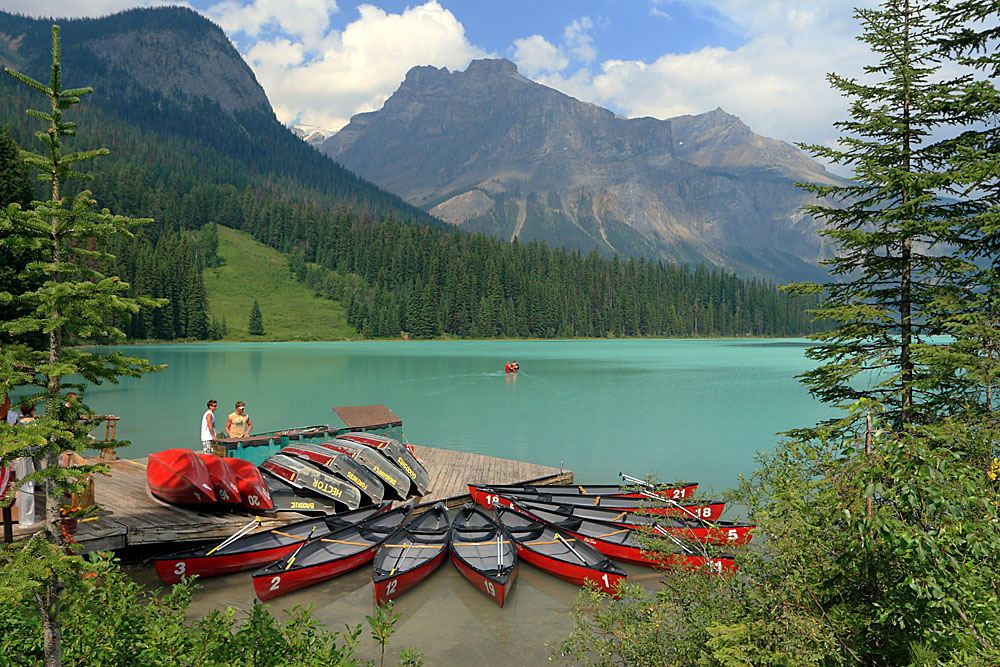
[290,310]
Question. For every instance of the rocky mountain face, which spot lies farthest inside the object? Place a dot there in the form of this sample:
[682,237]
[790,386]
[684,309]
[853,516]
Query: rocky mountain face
[491,151]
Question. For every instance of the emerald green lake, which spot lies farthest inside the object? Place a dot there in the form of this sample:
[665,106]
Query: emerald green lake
[693,409]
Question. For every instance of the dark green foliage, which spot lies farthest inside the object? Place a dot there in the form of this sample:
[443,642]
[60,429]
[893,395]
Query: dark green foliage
[15,188]
[110,621]
[256,325]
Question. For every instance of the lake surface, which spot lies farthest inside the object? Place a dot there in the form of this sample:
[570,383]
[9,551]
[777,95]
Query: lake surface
[692,409]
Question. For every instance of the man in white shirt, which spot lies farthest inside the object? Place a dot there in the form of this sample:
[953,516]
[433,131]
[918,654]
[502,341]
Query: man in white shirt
[208,427]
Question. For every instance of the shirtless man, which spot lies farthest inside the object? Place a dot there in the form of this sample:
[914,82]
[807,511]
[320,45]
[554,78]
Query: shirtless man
[238,423]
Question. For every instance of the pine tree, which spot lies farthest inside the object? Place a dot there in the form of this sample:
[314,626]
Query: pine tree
[256,326]
[888,223]
[75,302]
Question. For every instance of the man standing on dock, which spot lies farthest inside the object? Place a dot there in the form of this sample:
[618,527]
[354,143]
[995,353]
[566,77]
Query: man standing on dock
[208,427]
[238,423]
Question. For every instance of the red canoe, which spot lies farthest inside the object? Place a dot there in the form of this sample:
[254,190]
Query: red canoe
[411,554]
[223,480]
[179,476]
[326,557]
[253,489]
[248,551]
[561,555]
[621,544]
[483,552]
[707,532]
[677,492]
[709,510]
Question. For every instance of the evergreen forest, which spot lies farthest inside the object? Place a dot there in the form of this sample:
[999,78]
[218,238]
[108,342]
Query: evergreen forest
[189,165]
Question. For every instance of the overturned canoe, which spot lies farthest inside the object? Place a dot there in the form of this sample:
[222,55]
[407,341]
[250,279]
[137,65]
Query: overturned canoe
[223,480]
[396,483]
[307,478]
[396,452]
[341,465]
[179,476]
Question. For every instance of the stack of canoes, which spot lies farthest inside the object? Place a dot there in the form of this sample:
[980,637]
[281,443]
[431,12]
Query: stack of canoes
[576,542]
[343,474]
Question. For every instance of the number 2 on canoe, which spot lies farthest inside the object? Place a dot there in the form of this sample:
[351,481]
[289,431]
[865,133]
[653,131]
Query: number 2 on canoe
[274,583]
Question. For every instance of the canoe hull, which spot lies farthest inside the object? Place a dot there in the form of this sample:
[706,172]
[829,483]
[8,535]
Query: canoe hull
[271,586]
[254,492]
[172,570]
[223,480]
[390,587]
[607,582]
[495,588]
[180,477]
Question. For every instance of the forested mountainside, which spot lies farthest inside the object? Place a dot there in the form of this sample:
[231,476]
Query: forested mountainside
[193,141]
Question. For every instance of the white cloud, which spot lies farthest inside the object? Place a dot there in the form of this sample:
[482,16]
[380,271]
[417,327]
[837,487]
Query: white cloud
[578,41]
[776,81]
[307,21]
[535,55]
[322,82]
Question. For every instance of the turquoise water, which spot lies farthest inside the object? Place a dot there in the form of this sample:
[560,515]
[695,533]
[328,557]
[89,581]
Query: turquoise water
[692,409]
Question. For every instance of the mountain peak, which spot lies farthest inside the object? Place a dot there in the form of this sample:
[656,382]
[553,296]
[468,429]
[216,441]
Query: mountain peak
[491,67]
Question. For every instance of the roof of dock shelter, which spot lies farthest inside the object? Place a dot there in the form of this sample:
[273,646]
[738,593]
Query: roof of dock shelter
[367,416]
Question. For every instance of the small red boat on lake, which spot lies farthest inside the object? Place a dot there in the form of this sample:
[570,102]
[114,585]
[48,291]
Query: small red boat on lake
[483,552]
[561,555]
[411,554]
[179,476]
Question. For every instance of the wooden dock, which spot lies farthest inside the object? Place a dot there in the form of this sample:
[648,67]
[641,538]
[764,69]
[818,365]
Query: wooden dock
[132,517]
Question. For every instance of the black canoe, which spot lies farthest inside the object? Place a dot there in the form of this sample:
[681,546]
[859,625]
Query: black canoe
[411,553]
[340,465]
[397,453]
[396,482]
[560,554]
[253,550]
[483,552]
[328,556]
[304,477]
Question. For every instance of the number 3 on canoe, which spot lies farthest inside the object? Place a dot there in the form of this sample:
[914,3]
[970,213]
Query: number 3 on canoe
[179,568]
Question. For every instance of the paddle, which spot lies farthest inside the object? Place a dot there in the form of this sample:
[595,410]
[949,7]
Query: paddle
[671,501]
[663,531]
[575,552]
[291,559]
[237,535]
[635,480]
[402,554]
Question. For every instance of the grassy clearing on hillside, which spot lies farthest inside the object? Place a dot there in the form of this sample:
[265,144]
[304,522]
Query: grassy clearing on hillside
[290,310]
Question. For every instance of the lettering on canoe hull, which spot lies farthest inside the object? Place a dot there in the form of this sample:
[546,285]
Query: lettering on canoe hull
[303,506]
[327,488]
[354,478]
[384,475]
[406,468]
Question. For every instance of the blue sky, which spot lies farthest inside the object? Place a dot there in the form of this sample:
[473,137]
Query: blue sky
[322,61]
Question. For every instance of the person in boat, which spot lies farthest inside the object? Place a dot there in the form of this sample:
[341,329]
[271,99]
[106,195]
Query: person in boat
[208,427]
[507,368]
[514,367]
[238,422]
